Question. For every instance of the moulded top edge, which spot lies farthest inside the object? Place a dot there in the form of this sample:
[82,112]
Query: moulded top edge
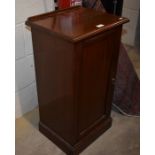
[75,23]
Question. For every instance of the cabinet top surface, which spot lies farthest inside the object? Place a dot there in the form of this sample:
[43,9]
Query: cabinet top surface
[75,23]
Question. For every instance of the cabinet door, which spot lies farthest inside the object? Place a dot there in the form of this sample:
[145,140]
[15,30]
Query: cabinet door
[96,70]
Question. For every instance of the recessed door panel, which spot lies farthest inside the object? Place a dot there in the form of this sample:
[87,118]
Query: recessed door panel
[95,70]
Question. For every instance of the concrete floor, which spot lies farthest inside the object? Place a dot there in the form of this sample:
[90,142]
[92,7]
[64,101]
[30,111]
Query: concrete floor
[121,139]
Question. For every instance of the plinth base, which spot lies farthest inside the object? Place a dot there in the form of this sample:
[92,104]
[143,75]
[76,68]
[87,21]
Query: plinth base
[81,144]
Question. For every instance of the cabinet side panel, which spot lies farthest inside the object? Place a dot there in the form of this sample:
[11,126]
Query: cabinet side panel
[55,83]
[95,78]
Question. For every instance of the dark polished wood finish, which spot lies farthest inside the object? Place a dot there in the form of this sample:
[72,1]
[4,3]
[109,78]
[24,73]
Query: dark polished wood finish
[75,66]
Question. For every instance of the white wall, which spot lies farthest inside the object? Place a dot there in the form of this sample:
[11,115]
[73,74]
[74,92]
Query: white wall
[131,11]
[26,95]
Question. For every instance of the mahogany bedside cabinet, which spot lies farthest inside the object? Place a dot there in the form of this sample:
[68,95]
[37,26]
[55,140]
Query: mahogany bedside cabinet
[75,55]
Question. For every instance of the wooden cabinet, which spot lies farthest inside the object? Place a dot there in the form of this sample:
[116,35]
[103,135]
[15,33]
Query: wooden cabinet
[75,53]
